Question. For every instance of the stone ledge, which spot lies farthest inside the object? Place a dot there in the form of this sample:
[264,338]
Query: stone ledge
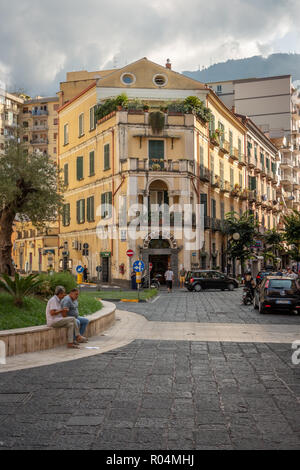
[43,337]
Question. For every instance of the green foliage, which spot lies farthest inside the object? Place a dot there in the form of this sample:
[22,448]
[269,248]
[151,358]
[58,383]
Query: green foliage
[50,281]
[156,121]
[30,185]
[19,287]
[292,234]
[33,312]
[246,226]
[194,105]
[110,105]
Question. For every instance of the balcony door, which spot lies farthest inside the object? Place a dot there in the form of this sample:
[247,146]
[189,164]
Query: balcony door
[156,153]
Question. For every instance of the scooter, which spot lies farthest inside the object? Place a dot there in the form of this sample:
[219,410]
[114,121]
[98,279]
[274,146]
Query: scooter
[154,282]
[247,296]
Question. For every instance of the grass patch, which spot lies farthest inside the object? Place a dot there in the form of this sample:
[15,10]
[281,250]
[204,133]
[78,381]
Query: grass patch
[33,313]
[145,294]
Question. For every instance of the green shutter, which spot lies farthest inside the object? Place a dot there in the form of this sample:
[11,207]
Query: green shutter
[110,203]
[231,178]
[82,210]
[102,205]
[203,200]
[92,163]
[88,209]
[106,157]
[230,142]
[66,174]
[78,212]
[267,163]
[79,168]
[201,155]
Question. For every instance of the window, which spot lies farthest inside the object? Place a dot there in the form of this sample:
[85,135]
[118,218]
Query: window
[55,107]
[222,210]
[81,124]
[55,136]
[90,209]
[203,201]
[241,179]
[106,157]
[25,124]
[55,121]
[80,211]
[213,209]
[66,215]
[66,134]
[54,149]
[66,174]
[212,124]
[240,148]
[222,133]
[92,163]
[160,80]
[128,78]
[106,209]
[231,178]
[230,143]
[219,88]
[79,168]
[92,118]
[201,155]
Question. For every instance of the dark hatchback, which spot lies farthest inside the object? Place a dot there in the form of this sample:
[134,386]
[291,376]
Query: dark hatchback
[261,275]
[200,280]
[277,293]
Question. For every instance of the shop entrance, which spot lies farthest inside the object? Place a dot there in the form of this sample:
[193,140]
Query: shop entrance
[105,269]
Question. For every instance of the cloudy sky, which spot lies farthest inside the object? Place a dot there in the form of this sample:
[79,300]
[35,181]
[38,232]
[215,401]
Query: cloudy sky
[42,39]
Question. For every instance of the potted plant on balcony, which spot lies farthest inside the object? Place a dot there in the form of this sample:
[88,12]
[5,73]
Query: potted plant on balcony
[121,101]
[155,167]
[156,121]
[146,108]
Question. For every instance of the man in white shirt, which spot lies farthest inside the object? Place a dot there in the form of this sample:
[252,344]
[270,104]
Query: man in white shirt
[56,317]
[169,276]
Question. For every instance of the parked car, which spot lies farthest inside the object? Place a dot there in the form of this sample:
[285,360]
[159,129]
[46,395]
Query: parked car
[261,275]
[277,293]
[208,279]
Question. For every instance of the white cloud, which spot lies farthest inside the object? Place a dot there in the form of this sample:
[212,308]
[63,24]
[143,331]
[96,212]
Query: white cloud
[41,40]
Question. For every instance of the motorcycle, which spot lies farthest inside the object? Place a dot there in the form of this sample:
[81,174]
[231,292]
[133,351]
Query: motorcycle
[154,282]
[247,296]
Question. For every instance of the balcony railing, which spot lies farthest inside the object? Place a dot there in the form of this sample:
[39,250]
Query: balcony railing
[205,174]
[224,146]
[225,186]
[178,166]
[39,112]
[39,142]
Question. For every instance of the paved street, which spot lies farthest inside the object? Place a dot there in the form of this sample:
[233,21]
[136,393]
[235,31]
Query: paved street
[155,394]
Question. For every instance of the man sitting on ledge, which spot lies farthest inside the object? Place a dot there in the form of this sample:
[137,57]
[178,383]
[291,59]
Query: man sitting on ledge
[71,303]
[56,317]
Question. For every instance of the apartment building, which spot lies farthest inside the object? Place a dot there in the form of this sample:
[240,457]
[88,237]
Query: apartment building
[35,250]
[10,107]
[121,160]
[272,103]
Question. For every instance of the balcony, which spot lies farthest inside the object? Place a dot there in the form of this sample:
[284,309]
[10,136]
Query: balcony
[39,128]
[205,174]
[224,146]
[215,181]
[39,112]
[39,142]
[233,153]
[214,139]
[235,191]
[244,195]
[263,171]
[286,162]
[159,165]
[251,162]
[225,187]
[207,222]
[216,225]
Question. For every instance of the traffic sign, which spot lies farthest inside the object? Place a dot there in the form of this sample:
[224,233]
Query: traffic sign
[79,269]
[99,269]
[138,266]
[150,266]
[85,246]
[130,253]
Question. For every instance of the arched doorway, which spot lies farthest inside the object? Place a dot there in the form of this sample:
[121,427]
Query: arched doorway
[161,250]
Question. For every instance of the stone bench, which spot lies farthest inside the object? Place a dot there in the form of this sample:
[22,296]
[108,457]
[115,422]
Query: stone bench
[40,338]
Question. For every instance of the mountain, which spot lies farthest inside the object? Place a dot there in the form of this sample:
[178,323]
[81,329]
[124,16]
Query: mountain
[252,67]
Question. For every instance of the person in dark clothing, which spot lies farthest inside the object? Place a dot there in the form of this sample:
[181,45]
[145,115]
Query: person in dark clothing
[249,282]
[85,274]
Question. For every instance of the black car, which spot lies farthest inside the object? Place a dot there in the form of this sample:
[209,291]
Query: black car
[277,293]
[261,275]
[199,280]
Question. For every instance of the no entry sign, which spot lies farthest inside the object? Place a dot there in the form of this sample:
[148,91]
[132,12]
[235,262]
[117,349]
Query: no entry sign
[129,253]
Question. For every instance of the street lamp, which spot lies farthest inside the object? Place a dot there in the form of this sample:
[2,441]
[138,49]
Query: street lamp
[236,236]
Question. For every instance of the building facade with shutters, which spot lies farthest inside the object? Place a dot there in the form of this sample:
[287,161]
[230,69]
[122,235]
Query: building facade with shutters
[119,167]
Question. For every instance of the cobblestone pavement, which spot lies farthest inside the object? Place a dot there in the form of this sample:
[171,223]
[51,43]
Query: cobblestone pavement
[170,395]
[157,395]
[206,307]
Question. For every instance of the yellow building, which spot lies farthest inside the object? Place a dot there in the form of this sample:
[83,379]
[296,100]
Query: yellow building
[123,160]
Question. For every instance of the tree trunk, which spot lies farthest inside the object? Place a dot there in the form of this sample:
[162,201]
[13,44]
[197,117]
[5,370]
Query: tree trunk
[6,228]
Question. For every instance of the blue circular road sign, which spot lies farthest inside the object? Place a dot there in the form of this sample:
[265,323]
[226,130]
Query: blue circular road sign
[79,269]
[138,266]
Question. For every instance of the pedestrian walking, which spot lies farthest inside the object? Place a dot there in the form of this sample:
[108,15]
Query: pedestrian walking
[182,274]
[169,276]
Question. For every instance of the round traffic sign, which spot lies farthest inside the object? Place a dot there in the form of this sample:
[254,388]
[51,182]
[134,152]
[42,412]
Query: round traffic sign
[130,253]
[138,266]
[79,269]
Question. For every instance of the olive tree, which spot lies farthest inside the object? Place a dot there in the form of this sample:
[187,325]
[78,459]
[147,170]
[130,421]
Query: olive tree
[30,189]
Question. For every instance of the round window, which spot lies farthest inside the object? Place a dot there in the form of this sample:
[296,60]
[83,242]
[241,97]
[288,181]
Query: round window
[160,80]
[128,78]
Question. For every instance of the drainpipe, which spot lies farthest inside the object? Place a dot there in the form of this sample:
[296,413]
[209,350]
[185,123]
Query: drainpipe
[113,186]
[209,188]
[57,163]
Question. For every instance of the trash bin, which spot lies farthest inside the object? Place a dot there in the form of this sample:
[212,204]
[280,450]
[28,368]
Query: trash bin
[79,278]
